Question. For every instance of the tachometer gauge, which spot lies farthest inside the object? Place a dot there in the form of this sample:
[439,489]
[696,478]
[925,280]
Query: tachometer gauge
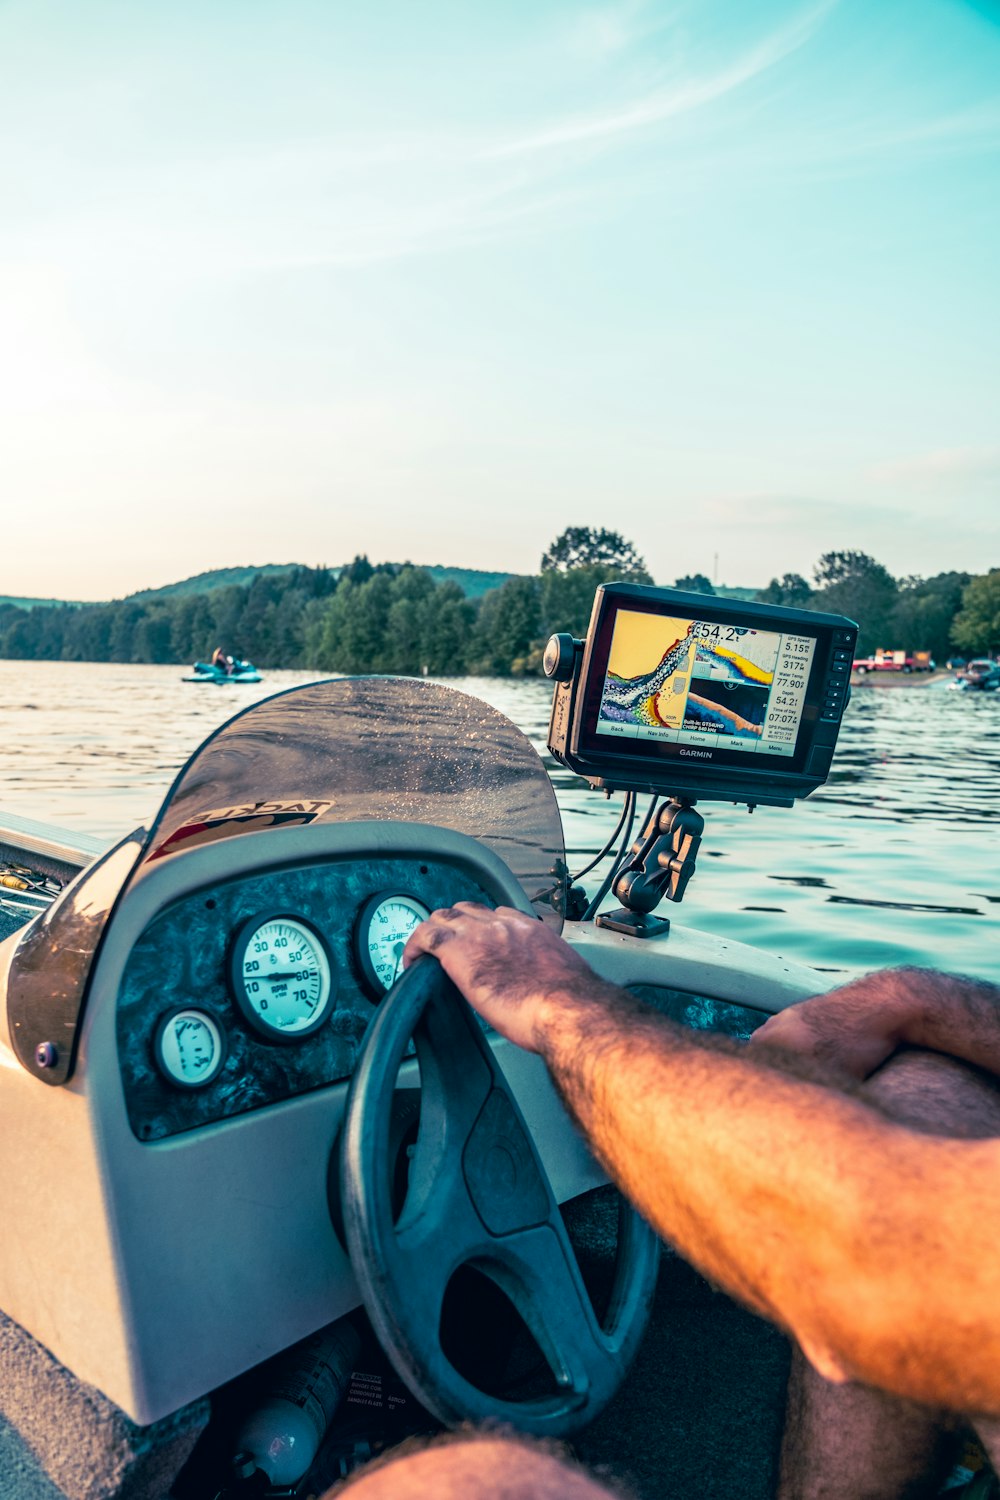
[384,925]
[282,977]
[190,1048]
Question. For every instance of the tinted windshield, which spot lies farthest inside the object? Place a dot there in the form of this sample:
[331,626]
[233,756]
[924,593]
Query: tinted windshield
[373,748]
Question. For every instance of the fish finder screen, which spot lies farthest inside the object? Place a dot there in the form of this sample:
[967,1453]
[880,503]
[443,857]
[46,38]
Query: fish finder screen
[700,682]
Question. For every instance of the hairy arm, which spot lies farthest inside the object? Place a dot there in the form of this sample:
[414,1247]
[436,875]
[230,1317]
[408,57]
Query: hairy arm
[873,1245]
[855,1028]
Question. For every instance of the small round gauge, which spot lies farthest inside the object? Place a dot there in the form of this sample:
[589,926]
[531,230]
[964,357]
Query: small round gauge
[384,925]
[282,977]
[190,1048]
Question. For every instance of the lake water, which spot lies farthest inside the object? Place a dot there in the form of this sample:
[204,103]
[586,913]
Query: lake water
[895,860]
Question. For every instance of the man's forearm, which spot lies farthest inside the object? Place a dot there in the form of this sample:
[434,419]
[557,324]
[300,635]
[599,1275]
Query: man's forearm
[873,1245]
[794,1195]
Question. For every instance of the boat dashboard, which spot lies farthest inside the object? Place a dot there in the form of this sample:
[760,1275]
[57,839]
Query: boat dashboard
[192,1151]
[252,990]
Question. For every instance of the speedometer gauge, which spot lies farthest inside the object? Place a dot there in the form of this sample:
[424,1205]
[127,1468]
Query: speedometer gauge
[384,926]
[282,977]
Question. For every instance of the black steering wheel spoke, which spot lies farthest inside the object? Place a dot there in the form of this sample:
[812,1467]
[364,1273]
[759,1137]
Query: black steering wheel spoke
[478,1196]
[538,1271]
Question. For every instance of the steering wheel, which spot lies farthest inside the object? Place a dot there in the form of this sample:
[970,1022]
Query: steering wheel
[478,1195]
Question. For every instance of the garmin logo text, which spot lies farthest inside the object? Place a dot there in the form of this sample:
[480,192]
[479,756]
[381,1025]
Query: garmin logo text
[701,754]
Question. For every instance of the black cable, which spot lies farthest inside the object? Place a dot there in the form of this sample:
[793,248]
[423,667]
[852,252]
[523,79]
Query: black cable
[623,854]
[617,862]
[607,847]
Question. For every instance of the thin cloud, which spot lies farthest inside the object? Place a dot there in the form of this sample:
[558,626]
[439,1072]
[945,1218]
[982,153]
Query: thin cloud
[676,99]
[757,510]
[606,32]
[943,469]
[364,198]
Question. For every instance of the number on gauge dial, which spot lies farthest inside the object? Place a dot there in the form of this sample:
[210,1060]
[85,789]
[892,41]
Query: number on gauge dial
[385,924]
[282,977]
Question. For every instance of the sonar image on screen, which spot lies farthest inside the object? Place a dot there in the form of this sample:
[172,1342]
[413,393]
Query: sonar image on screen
[699,681]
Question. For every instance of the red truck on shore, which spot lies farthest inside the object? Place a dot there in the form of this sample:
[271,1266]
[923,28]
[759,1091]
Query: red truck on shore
[894,661]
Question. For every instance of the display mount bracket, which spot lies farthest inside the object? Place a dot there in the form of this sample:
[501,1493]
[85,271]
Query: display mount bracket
[659,867]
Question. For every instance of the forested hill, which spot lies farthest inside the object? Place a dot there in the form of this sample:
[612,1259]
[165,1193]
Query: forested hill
[474,583]
[216,578]
[388,617]
[448,622]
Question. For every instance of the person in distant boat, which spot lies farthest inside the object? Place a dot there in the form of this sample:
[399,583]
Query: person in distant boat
[840,1176]
[222,661]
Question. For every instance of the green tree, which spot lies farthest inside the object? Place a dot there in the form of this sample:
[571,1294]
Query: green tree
[256,630]
[359,570]
[791,589]
[924,611]
[508,626]
[854,584]
[447,631]
[227,605]
[88,637]
[567,599]
[586,546]
[191,631]
[20,638]
[151,641]
[313,625]
[977,625]
[363,617]
[121,637]
[695,583]
[836,568]
[329,631]
[407,629]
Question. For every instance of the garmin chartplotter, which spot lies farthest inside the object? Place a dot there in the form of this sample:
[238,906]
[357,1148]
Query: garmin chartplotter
[700,697]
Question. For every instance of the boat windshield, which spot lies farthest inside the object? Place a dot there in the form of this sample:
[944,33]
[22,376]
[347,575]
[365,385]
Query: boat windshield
[354,749]
[372,749]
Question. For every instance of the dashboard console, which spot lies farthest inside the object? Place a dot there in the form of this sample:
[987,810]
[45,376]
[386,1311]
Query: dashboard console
[257,989]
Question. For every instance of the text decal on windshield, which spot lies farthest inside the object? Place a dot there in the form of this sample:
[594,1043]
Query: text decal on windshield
[244,817]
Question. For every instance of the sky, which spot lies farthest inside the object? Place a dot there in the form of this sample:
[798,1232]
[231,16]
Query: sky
[290,280]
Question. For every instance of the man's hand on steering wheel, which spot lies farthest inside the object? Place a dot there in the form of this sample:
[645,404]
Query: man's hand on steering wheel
[510,967]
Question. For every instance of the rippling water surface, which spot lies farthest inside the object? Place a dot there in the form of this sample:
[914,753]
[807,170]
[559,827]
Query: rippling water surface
[896,859]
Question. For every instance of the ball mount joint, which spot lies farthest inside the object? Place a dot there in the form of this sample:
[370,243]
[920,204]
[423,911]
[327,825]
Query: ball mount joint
[661,863]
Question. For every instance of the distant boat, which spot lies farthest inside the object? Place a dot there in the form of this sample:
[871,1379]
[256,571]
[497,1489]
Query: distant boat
[980,675]
[239,671]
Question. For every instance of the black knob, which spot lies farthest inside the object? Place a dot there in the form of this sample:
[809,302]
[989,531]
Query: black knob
[560,655]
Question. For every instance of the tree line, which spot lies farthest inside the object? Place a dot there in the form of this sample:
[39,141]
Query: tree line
[395,618]
[947,614]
